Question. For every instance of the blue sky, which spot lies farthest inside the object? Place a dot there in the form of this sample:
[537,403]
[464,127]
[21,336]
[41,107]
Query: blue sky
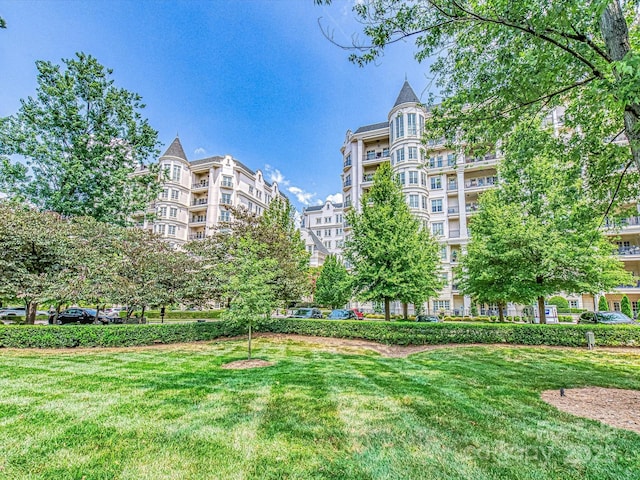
[253,79]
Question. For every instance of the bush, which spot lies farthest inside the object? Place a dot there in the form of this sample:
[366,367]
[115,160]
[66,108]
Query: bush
[66,336]
[559,302]
[565,318]
[180,314]
[571,310]
[393,333]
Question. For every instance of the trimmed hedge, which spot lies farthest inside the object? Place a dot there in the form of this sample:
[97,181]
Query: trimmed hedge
[393,333]
[412,333]
[68,336]
[180,314]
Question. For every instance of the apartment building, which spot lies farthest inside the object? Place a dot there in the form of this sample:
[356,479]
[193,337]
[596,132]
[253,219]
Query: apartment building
[326,224]
[442,188]
[197,194]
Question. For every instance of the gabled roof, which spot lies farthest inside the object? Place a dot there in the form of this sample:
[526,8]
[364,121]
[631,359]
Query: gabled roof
[407,95]
[374,126]
[175,150]
[317,242]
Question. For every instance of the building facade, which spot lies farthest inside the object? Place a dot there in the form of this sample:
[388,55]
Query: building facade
[197,194]
[442,187]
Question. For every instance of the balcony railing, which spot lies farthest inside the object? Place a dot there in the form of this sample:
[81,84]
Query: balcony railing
[223,218]
[197,236]
[368,177]
[227,184]
[455,209]
[347,203]
[347,183]
[377,155]
[471,207]
[480,158]
[347,163]
[226,201]
[199,219]
[452,186]
[454,233]
[624,222]
[202,184]
[631,250]
[636,285]
[200,201]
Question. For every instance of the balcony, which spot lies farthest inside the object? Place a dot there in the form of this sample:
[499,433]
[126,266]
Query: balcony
[224,218]
[454,233]
[471,207]
[481,158]
[200,201]
[347,203]
[197,236]
[226,201]
[347,183]
[631,250]
[636,285]
[452,186]
[453,210]
[624,222]
[226,184]
[367,177]
[347,163]
[198,219]
[200,185]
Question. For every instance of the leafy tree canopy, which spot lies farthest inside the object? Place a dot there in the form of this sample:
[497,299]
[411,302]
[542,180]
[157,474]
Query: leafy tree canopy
[333,286]
[82,138]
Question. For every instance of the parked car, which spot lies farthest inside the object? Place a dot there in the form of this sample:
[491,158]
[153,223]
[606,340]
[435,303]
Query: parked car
[427,318]
[358,313]
[607,318]
[306,313]
[342,315]
[113,312]
[83,316]
[12,312]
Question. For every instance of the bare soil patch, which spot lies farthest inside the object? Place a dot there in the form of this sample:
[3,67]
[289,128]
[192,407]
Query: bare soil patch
[615,407]
[245,364]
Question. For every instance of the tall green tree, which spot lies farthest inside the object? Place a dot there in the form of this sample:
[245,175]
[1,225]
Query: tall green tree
[625,306]
[498,64]
[603,305]
[82,138]
[391,257]
[535,234]
[333,286]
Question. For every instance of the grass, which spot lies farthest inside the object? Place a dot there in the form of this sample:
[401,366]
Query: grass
[171,412]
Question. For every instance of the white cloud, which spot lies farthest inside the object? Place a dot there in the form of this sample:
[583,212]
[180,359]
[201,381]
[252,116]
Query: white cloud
[199,151]
[275,175]
[302,196]
[335,198]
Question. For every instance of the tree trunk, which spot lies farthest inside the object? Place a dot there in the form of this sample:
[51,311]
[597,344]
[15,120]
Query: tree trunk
[95,320]
[500,313]
[249,341]
[387,313]
[615,33]
[541,313]
[30,313]
[405,311]
[142,314]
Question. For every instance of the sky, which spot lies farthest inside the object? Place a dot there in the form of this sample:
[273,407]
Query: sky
[254,79]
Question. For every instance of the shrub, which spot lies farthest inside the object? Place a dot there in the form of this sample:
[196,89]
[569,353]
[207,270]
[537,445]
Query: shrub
[180,314]
[559,302]
[603,305]
[565,318]
[625,306]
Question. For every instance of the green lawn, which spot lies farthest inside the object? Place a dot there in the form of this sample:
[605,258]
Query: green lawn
[172,413]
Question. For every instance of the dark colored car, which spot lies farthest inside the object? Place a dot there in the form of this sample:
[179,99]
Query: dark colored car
[81,315]
[606,318]
[427,318]
[306,313]
[342,315]
[358,313]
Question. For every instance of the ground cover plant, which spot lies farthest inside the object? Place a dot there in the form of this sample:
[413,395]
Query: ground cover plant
[173,412]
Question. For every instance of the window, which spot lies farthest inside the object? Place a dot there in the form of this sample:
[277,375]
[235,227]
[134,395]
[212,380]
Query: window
[451,160]
[573,303]
[413,153]
[437,228]
[319,233]
[339,243]
[347,161]
[327,244]
[165,193]
[435,162]
[175,194]
[421,123]
[423,179]
[173,212]
[172,230]
[413,177]
[413,201]
[338,231]
[160,229]
[436,206]
[176,173]
[440,305]
[391,127]
[371,154]
[227,181]
[327,232]
[339,218]
[347,180]
[250,189]
[424,202]
[250,206]
[411,124]
[443,252]
[327,219]
[399,126]
[385,152]
[162,211]
[436,183]
[401,178]
[225,216]
[318,221]
[423,154]
[400,155]
[347,201]
[259,193]
[226,199]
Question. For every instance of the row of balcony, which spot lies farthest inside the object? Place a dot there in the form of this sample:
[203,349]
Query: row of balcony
[624,222]
[205,184]
[205,201]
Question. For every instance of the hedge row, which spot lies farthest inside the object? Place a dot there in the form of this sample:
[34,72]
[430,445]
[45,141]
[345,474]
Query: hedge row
[68,336]
[411,333]
[180,315]
[394,333]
